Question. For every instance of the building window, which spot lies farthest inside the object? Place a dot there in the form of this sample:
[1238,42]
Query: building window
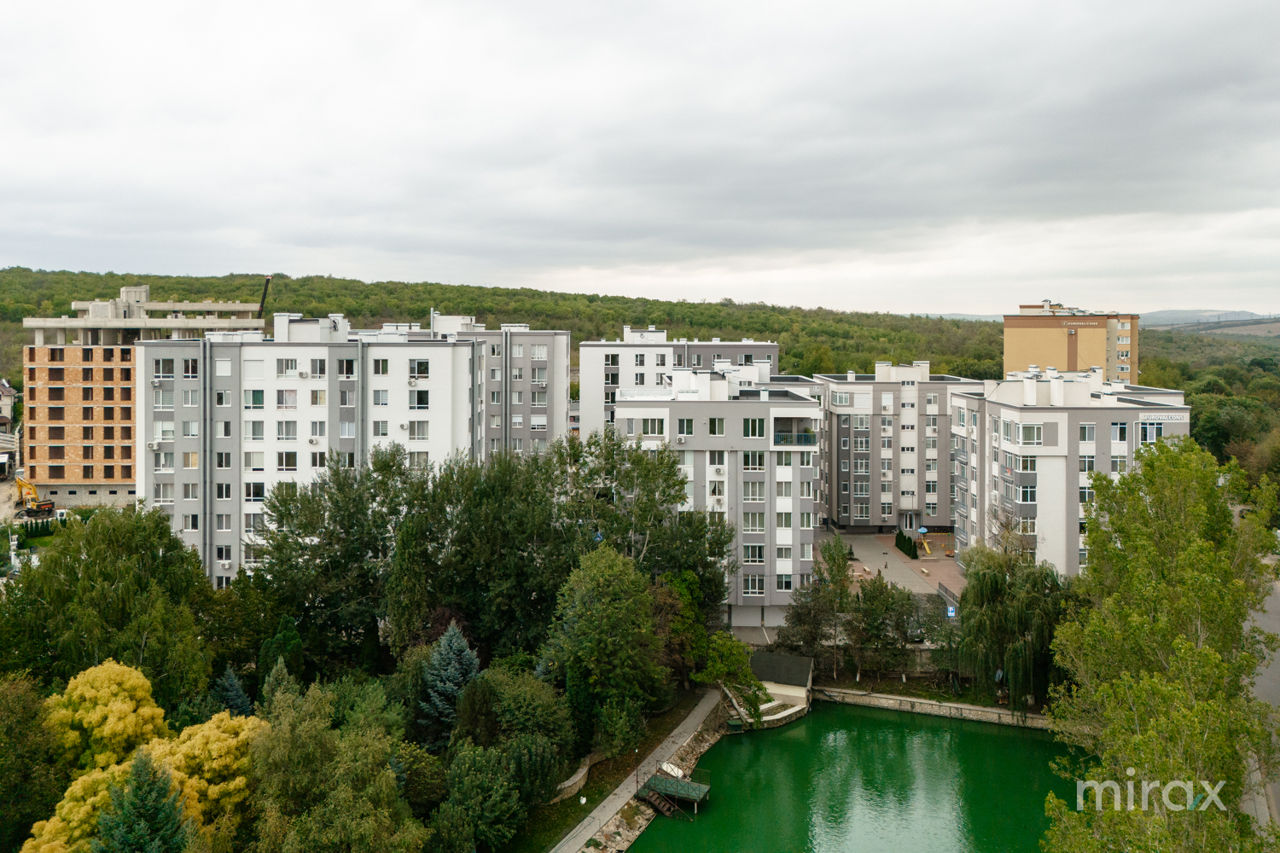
[255,460]
[287,461]
[684,426]
[379,429]
[418,459]
[653,426]
[1086,464]
[1119,464]
[162,368]
[639,359]
[418,430]
[255,492]
[639,379]
[715,426]
[419,399]
[419,368]
[753,427]
[784,583]
[1119,432]
[752,491]
[538,352]
[254,399]
[380,367]
[1086,494]
[1150,433]
[753,522]
[1027,494]
[753,460]
[753,555]
[784,520]
[222,460]
[223,491]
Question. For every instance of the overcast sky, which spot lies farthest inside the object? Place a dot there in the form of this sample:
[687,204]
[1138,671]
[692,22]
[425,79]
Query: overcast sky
[899,156]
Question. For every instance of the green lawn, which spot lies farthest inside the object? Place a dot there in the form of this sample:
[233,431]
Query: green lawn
[548,824]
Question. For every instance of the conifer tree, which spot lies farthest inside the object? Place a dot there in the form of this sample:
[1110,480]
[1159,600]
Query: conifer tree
[230,692]
[145,815]
[452,665]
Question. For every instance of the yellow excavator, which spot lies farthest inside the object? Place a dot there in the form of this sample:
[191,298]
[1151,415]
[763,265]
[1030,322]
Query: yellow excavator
[29,503]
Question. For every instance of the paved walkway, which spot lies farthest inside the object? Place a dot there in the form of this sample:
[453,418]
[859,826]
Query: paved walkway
[1267,686]
[612,804]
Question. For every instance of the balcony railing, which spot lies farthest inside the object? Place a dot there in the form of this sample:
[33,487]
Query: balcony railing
[795,439]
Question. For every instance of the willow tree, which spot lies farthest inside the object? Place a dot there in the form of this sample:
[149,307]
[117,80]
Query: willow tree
[1009,611]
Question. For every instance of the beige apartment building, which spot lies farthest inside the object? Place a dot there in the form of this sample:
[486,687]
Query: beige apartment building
[1050,335]
[79,435]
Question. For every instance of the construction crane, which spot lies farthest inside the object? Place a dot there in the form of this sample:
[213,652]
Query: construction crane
[262,305]
[29,503]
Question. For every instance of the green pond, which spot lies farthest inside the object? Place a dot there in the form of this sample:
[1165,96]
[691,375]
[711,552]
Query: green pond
[846,778]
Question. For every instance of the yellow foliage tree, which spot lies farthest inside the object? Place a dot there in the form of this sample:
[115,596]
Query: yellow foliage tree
[210,765]
[105,713]
[75,819]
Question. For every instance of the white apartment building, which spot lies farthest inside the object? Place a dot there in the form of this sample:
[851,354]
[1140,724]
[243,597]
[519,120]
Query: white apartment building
[225,419]
[526,401]
[642,359]
[746,443]
[1023,450]
[884,448]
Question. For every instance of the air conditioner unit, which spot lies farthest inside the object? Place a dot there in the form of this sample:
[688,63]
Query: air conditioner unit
[719,470]
[404,426]
[153,445]
[412,382]
[302,374]
[155,382]
[679,439]
[313,440]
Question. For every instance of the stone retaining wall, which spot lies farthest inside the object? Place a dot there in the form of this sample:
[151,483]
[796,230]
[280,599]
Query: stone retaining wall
[912,705]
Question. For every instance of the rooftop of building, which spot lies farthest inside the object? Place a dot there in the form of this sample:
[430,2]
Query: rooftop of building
[134,309]
[887,371]
[656,337]
[462,324]
[1049,308]
[1079,389]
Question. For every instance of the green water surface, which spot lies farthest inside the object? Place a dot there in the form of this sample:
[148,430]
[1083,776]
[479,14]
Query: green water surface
[857,779]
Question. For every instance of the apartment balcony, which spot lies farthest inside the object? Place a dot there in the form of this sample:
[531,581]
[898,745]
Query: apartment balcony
[794,432]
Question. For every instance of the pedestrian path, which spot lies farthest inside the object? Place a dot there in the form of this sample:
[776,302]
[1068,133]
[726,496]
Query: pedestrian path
[612,804]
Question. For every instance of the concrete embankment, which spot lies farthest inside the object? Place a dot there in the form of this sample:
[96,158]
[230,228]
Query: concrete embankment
[913,705]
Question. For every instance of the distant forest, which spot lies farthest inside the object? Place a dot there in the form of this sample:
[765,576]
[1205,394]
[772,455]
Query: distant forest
[1233,383]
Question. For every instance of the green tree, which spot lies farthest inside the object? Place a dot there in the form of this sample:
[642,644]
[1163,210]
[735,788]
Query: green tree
[1009,611]
[327,553]
[880,616]
[604,639]
[477,717]
[230,693]
[482,543]
[812,622]
[324,773]
[145,816]
[285,646]
[729,666]
[484,795]
[452,666]
[1163,652]
[31,773]
[120,586]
